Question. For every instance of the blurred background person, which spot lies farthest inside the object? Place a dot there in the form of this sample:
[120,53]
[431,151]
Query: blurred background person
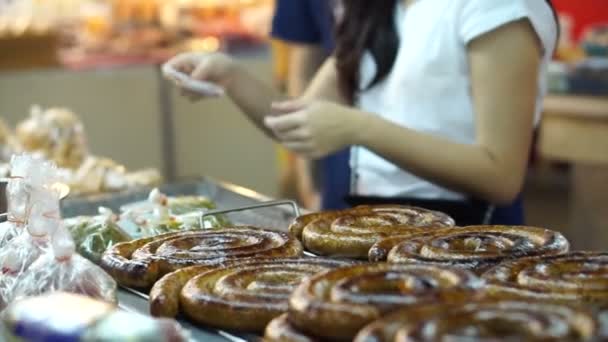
[304,37]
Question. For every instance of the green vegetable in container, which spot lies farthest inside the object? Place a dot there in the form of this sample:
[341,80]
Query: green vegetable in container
[94,234]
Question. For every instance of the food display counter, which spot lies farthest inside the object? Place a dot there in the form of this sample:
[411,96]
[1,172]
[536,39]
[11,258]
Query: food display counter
[336,275]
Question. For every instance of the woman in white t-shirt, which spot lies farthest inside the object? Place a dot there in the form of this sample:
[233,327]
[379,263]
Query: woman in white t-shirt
[438,99]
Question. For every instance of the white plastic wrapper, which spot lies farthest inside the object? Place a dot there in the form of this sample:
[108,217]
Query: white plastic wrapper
[196,86]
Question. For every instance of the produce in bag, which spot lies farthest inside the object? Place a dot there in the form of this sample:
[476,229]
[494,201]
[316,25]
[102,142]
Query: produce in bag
[94,234]
[162,214]
[69,317]
[61,269]
[40,209]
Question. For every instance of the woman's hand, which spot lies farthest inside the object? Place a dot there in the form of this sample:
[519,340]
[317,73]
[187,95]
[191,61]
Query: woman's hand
[314,129]
[200,75]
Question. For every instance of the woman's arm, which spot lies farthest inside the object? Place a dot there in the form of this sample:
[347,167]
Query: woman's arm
[504,65]
[325,84]
[251,95]
[504,68]
[305,60]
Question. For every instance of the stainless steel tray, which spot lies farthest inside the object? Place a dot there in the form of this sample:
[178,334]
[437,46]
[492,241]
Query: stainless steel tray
[251,210]
[223,194]
[132,300]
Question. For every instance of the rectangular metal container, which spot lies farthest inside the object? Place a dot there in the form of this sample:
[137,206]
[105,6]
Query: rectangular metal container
[225,196]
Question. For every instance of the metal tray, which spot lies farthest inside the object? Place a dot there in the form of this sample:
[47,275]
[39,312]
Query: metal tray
[223,194]
[251,209]
[134,301]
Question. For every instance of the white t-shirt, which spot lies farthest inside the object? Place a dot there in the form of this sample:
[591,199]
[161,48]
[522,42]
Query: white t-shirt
[428,89]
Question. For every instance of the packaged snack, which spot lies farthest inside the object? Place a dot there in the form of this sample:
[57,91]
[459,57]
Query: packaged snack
[53,317]
[73,318]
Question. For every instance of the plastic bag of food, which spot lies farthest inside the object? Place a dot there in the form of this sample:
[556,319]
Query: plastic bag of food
[163,214]
[56,133]
[27,174]
[17,197]
[61,269]
[94,234]
[22,251]
[98,174]
[15,258]
[73,318]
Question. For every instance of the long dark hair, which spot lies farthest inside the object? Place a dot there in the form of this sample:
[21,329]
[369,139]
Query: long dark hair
[368,26]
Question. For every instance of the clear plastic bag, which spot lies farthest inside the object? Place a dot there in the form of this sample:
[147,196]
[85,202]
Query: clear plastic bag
[58,134]
[22,251]
[55,133]
[43,259]
[15,259]
[61,269]
[18,198]
[94,234]
[26,234]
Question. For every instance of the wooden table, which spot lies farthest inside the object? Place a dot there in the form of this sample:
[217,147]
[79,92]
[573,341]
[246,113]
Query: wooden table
[575,130]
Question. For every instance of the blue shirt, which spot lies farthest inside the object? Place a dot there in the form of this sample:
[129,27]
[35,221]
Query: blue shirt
[311,22]
[305,22]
